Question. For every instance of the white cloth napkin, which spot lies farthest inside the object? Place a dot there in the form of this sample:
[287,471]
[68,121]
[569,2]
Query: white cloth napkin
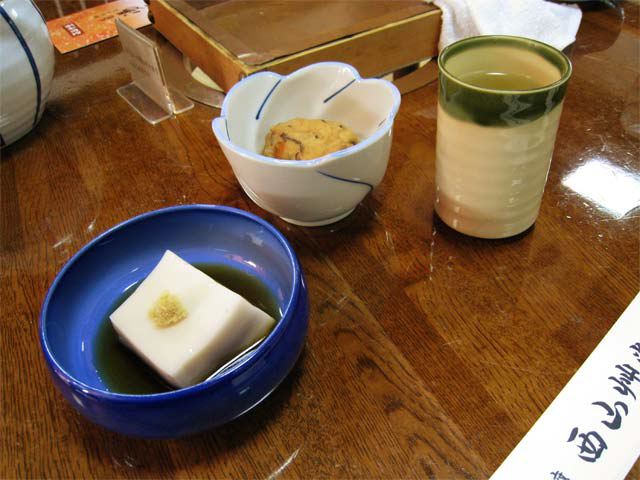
[547,22]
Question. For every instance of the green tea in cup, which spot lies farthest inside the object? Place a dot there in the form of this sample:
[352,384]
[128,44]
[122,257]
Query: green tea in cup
[499,107]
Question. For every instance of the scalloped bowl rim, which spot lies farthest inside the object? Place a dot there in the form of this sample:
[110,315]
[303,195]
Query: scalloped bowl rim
[240,367]
[380,131]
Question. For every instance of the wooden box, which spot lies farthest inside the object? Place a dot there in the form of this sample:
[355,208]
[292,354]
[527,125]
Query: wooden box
[230,39]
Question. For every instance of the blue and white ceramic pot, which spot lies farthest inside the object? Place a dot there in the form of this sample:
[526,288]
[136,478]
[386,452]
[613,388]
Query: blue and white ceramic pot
[26,68]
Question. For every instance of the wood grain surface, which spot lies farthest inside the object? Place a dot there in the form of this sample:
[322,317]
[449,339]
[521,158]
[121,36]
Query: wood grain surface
[429,354]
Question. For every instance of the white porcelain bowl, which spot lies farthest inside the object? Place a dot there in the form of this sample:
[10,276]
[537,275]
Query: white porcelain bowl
[308,192]
[26,68]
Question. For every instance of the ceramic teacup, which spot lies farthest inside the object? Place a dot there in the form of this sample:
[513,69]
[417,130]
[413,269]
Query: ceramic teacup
[500,100]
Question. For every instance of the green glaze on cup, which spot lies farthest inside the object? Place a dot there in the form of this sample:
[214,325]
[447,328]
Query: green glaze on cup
[494,107]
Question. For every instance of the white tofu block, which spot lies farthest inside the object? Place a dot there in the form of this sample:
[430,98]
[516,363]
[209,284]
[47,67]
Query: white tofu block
[218,323]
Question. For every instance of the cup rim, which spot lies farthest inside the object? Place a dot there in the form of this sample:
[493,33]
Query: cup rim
[532,45]
[266,345]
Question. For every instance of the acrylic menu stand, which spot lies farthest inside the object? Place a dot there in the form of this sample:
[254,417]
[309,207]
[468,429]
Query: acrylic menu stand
[148,93]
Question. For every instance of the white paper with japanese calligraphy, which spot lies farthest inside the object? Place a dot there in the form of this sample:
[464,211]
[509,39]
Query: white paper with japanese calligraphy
[592,428]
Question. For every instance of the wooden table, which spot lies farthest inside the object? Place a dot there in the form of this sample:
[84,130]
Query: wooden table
[429,353]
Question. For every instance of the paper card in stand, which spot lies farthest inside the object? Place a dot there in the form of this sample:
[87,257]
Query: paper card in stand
[591,431]
[95,24]
[148,93]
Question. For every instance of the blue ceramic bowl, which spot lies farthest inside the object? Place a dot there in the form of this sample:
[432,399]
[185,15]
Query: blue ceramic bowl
[84,291]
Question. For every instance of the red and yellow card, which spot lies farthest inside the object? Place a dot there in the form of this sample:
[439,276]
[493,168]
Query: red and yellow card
[95,24]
